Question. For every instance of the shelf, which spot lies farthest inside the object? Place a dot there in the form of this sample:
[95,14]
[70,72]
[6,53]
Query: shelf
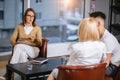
[116,8]
[116,26]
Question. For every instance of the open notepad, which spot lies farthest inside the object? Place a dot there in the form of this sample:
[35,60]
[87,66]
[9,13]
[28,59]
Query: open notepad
[38,62]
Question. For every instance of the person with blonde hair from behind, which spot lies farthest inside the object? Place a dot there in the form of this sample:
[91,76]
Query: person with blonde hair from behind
[89,50]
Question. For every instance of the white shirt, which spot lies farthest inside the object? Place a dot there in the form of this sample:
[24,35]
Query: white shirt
[28,29]
[87,53]
[112,46]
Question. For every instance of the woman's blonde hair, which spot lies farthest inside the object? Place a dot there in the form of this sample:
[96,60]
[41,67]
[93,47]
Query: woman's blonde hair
[88,30]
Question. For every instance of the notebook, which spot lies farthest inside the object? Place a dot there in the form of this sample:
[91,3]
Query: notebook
[39,61]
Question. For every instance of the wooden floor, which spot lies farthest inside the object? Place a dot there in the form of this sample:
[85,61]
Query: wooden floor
[3,61]
[3,67]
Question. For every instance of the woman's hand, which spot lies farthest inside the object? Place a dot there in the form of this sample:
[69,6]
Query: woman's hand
[31,37]
[26,42]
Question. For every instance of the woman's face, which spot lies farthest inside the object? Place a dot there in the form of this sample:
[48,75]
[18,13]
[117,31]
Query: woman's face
[29,17]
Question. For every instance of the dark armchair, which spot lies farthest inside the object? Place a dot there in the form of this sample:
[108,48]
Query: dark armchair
[43,48]
[91,72]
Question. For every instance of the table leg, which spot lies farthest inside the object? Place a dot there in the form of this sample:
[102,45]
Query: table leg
[24,78]
[9,74]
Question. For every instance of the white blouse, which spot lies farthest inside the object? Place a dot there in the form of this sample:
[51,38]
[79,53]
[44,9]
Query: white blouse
[28,29]
[87,53]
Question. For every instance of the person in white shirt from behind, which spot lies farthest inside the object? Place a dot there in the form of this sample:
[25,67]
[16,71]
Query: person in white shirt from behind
[89,50]
[112,44]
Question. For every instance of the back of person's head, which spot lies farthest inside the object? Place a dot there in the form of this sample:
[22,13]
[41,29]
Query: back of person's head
[98,14]
[88,30]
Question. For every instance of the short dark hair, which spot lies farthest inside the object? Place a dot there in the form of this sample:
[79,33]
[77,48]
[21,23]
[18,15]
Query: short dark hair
[98,14]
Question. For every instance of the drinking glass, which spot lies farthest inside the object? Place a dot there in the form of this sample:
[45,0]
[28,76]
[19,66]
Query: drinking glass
[64,59]
[29,66]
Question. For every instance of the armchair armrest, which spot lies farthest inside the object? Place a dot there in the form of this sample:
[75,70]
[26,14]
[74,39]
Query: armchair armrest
[43,48]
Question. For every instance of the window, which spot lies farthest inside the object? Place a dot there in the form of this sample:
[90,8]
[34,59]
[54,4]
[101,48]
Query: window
[21,16]
[1,0]
[50,15]
[1,15]
[38,15]
[59,19]
[38,1]
[9,18]
[61,13]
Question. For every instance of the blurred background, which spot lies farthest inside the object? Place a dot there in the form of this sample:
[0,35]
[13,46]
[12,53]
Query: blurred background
[58,19]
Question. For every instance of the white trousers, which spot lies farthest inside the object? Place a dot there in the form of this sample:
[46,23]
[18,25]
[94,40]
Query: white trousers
[21,53]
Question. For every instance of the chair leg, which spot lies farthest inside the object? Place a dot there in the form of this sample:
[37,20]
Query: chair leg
[108,78]
[12,78]
[117,77]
